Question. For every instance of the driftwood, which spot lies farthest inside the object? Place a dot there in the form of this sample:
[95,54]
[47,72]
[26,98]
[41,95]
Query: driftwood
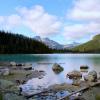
[46,91]
[81,90]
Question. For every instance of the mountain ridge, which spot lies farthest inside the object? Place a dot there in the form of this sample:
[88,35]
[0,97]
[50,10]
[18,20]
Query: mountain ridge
[55,45]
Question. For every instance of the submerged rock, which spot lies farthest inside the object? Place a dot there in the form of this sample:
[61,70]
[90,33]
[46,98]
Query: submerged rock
[57,68]
[92,76]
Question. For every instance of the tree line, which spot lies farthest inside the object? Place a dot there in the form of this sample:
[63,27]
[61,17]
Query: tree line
[14,43]
[11,43]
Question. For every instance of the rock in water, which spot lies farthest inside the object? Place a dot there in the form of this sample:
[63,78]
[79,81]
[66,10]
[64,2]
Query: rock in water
[57,68]
[84,68]
[92,76]
[74,74]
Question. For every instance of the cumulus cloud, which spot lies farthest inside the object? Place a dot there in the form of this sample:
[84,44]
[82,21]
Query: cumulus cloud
[8,22]
[77,31]
[87,12]
[35,19]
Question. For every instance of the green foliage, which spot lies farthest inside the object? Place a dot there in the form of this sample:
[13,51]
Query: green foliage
[97,37]
[92,46]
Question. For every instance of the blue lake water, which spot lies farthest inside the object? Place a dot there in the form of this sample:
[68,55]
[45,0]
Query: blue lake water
[45,62]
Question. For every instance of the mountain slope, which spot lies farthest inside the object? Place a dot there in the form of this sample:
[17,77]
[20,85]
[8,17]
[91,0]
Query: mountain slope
[55,45]
[50,43]
[13,43]
[92,46]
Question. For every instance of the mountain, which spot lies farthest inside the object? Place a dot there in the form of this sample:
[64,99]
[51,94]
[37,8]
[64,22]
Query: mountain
[92,46]
[11,43]
[55,45]
[50,43]
[38,38]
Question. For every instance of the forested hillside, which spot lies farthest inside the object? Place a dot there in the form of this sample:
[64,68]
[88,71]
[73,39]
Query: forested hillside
[13,43]
[92,46]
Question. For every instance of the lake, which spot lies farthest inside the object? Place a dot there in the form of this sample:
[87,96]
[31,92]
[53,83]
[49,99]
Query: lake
[45,62]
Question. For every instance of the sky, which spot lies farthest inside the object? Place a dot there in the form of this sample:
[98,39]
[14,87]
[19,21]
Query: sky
[64,21]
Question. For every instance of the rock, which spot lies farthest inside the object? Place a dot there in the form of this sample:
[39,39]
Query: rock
[76,82]
[92,76]
[12,63]
[57,68]
[20,64]
[93,73]
[27,66]
[6,72]
[84,68]
[12,96]
[5,84]
[74,74]
[40,77]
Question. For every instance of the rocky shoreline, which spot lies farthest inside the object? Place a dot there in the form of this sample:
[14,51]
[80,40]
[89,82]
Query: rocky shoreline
[18,75]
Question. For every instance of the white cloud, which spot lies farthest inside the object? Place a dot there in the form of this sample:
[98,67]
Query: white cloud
[88,13]
[1,19]
[85,10]
[35,19]
[78,31]
[8,22]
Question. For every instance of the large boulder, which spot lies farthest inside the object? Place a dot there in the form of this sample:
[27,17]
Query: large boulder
[74,74]
[92,76]
[57,68]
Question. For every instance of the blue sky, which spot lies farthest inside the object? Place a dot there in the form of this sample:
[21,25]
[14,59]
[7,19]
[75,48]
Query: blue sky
[64,21]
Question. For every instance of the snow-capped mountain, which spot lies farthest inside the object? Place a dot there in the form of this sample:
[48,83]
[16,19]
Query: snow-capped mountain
[50,43]
[53,44]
